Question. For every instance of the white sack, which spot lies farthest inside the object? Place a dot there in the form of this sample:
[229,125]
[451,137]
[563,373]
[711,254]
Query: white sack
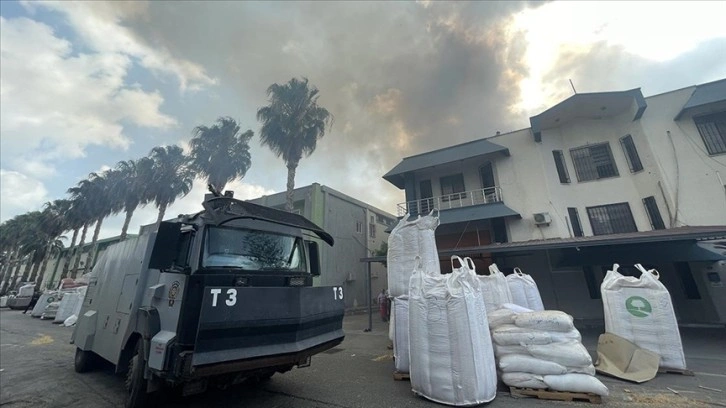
[589,370]
[67,306]
[26,290]
[407,240]
[549,320]
[524,290]
[569,354]
[513,363]
[641,310]
[495,289]
[70,321]
[451,356]
[511,335]
[392,327]
[499,317]
[516,308]
[500,351]
[400,342]
[3,301]
[576,383]
[524,380]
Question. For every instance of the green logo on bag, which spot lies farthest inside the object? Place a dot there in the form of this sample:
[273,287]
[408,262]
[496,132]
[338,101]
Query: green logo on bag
[638,306]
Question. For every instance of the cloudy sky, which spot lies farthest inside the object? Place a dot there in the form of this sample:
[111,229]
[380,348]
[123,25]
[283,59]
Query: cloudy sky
[85,85]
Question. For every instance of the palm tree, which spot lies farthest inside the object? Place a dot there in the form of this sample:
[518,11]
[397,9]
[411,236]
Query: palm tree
[292,124]
[172,177]
[221,152]
[132,187]
[54,224]
[105,203]
[75,219]
[84,200]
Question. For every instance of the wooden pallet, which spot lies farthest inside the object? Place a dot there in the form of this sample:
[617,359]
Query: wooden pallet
[516,392]
[686,372]
[401,376]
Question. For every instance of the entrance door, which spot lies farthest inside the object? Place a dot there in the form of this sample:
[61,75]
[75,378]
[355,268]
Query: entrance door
[486,173]
[427,202]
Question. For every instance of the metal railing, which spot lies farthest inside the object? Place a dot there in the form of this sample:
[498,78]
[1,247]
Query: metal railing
[456,200]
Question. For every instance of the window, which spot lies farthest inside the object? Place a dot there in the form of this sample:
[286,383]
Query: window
[452,185]
[611,219]
[358,227]
[252,250]
[631,154]
[651,207]
[594,162]
[575,221]
[561,167]
[372,230]
[713,132]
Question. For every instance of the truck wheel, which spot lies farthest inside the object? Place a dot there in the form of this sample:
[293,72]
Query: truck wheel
[84,361]
[135,382]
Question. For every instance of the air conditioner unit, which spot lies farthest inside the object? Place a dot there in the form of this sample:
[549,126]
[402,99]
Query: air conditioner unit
[542,219]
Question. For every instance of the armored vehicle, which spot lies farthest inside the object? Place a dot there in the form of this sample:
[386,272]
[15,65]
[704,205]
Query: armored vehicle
[212,298]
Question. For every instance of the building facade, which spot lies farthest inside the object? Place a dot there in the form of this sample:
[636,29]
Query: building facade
[358,229]
[597,179]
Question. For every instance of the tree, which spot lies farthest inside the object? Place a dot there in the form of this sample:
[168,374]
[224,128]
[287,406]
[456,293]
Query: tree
[172,177]
[292,123]
[75,219]
[54,224]
[132,186]
[85,199]
[221,153]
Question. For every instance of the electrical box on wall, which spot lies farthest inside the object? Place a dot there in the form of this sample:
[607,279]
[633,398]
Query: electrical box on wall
[542,219]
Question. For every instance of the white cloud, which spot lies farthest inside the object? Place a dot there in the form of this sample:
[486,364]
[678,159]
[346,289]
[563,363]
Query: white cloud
[100,26]
[19,194]
[54,104]
[657,32]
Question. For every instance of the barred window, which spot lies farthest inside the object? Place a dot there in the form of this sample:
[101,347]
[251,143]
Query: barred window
[651,207]
[452,187]
[561,166]
[631,153]
[594,162]
[713,132]
[611,219]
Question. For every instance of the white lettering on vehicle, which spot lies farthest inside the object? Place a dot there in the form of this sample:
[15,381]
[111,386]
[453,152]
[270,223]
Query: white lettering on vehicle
[215,292]
[337,293]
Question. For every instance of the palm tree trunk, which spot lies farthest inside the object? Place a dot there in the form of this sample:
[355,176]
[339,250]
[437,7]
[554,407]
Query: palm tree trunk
[9,271]
[27,266]
[127,221]
[44,266]
[79,251]
[14,276]
[34,271]
[291,167]
[69,255]
[162,211]
[94,246]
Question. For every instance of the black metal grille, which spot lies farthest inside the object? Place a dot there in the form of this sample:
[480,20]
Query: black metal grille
[651,207]
[575,220]
[631,153]
[611,219]
[594,162]
[713,132]
[561,167]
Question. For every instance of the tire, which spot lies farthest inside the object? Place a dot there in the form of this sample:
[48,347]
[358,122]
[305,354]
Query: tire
[136,395]
[84,361]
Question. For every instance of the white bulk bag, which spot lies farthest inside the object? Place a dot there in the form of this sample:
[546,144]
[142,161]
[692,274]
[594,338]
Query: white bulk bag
[452,360]
[494,288]
[26,290]
[407,240]
[576,383]
[524,290]
[3,301]
[400,333]
[43,301]
[641,310]
[69,303]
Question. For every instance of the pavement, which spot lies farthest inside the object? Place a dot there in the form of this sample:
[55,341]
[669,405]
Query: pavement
[36,370]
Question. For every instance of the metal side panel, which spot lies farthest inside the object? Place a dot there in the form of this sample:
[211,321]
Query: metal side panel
[248,322]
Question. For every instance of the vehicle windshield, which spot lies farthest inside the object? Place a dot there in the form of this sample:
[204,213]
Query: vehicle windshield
[252,250]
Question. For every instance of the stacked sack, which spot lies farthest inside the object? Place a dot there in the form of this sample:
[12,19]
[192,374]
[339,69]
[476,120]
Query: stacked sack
[541,349]
[641,310]
[494,287]
[524,290]
[407,241]
[451,357]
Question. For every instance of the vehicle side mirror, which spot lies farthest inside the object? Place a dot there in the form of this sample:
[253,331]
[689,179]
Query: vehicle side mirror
[165,246]
[314,255]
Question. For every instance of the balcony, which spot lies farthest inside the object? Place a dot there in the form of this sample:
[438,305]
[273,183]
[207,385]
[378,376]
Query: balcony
[457,200]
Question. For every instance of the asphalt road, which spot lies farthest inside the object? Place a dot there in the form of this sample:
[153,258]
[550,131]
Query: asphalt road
[37,371]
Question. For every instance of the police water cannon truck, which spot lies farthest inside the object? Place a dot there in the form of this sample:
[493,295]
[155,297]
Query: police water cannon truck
[211,298]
